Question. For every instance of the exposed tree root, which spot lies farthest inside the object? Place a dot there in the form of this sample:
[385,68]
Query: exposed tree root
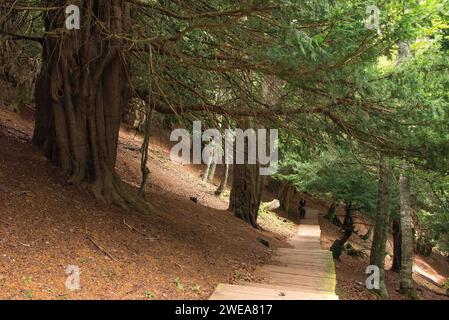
[118,193]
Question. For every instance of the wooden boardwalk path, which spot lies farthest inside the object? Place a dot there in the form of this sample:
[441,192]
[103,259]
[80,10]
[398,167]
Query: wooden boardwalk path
[304,272]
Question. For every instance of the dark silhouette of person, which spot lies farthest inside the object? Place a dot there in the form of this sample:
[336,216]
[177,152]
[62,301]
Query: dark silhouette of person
[302,208]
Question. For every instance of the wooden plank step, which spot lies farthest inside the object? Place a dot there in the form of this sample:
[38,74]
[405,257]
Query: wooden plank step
[300,242]
[303,256]
[304,268]
[302,280]
[309,291]
[311,277]
[230,296]
[304,241]
[238,292]
[306,238]
[321,253]
[308,233]
[318,273]
[314,234]
[302,250]
[306,246]
[289,271]
[293,261]
[301,287]
[316,280]
[286,258]
[309,228]
[308,223]
[319,266]
[315,227]
[322,284]
[310,247]
[314,237]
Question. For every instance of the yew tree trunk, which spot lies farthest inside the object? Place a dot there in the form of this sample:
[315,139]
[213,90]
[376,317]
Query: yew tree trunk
[286,194]
[246,193]
[81,91]
[406,273]
[397,243]
[378,248]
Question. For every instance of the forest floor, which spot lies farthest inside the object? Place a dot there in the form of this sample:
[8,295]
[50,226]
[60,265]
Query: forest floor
[180,252]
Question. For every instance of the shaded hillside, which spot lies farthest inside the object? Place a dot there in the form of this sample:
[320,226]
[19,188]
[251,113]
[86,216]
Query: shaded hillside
[181,251]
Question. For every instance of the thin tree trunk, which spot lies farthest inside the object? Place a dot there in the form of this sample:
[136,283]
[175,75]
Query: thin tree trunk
[81,91]
[406,274]
[378,248]
[212,171]
[397,243]
[406,212]
[207,170]
[348,229]
[224,181]
[144,151]
[331,212]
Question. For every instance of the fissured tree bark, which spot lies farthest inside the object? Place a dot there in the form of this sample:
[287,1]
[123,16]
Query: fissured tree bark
[246,193]
[397,243]
[378,248]
[406,274]
[81,91]
[286,194]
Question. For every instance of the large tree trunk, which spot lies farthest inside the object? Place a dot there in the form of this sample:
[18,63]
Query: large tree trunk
[397,243]
[406,274]
[285,197]
[80,93]
[247,183]
[246,193]
[378,248]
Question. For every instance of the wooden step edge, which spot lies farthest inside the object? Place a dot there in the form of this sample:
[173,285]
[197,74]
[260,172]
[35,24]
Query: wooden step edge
[293,288]
[292,272]
[240,292]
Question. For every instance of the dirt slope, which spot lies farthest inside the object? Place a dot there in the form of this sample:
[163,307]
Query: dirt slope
[181,252]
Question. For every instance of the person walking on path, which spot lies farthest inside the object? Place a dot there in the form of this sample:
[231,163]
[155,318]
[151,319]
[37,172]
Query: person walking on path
[302,208]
